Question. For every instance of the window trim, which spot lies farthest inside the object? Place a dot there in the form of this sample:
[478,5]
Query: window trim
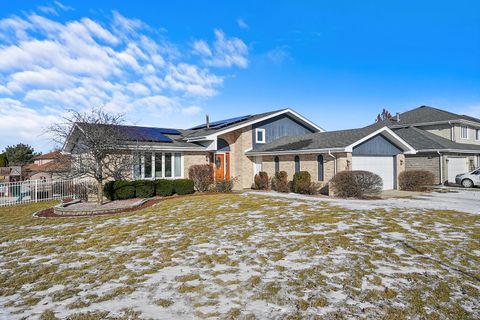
[257,130]
[461,132]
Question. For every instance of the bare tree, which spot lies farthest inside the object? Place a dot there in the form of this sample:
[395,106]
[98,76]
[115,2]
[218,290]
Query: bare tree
[99,147]
[385,115]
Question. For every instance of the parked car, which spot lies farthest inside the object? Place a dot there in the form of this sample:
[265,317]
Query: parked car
[470,179]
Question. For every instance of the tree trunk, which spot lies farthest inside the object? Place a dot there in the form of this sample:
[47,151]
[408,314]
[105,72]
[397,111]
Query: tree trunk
[99,193]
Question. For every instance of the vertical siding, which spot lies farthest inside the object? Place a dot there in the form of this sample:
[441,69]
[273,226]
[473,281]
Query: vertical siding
[378,146]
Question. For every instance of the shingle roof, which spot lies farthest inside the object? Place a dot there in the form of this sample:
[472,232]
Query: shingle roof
[425,114]
[319,140]
[49,155]
[424,140]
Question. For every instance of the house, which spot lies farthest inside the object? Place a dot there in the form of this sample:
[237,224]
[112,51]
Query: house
[11,174]
[283,140]
[48,166]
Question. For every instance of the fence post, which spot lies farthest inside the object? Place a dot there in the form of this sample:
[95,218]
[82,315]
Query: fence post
[36,190]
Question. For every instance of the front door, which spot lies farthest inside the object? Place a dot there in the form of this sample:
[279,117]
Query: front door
[220,167]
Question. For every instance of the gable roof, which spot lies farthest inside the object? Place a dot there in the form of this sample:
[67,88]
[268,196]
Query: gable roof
[341,140]
[426,114]
[201,132]
[49,155]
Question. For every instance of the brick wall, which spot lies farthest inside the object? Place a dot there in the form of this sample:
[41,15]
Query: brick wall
[429,162]
[193,158]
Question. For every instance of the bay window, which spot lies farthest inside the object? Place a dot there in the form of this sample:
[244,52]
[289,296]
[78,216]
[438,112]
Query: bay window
[157,165]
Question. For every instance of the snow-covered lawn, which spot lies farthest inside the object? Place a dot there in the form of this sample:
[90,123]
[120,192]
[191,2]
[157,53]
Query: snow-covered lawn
[242,256]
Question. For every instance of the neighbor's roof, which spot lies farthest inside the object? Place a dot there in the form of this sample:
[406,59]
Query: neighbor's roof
[426,114]
[424,140]
[50,155]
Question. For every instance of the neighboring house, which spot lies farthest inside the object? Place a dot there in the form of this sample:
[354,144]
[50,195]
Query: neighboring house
[48,166]
[169,153]
[283,140]
[11,174]
[447,144]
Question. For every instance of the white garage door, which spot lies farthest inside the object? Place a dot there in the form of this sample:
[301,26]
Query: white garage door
[456,166]
[383,166]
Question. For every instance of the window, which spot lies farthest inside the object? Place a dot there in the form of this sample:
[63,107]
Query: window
[477,134]
[320,167]
[157,165]
[297,164]
[277,165]
[260,135]
[464,132]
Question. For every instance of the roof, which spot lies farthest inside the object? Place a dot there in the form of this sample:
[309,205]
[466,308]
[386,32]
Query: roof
[48,156]
[426,114]
[319,140]
[424,140]
[52,166]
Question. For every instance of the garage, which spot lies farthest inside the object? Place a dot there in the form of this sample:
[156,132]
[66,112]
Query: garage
[384,166]
[456,166]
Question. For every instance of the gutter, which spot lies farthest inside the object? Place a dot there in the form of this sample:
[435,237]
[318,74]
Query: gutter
[294,152]
[441,166]
[450,150]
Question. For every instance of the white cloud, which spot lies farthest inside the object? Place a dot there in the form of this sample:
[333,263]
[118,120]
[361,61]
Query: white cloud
[278,55]
[242,24]
[225,52]
[47,66]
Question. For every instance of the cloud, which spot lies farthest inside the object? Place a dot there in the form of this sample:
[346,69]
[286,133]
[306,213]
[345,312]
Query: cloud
[278,55]
[48,65]
[242,24]
[224,52]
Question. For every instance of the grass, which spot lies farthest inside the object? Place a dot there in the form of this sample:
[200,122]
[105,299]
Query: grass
[237,256]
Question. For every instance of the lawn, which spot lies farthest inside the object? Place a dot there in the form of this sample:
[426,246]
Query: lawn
[241,256]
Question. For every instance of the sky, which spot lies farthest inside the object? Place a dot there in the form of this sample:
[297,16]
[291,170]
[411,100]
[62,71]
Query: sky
[167,64]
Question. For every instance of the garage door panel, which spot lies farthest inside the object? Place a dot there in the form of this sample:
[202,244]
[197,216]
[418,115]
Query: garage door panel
[383,166]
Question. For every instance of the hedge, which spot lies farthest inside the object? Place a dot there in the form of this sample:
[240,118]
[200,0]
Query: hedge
[123,190]
[183,186]
[416,180]
[164,187]
[302,182]
[356,184]
[144,188]
[108,190]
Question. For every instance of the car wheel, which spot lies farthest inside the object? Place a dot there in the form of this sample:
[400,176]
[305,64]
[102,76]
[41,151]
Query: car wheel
[467,183]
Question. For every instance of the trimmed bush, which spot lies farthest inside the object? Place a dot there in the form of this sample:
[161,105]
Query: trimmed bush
[302,182]
[261,181]
[108,190]
[123,189]
[183,186]
[280,182]
[202,176]
[356,184]
[416,180]
[164,187]
[144,188]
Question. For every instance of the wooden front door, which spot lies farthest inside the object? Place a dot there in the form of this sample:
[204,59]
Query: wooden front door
[219,167]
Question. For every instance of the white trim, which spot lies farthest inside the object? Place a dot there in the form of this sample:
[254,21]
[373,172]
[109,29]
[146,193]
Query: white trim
[421,124]
[403,143]
[213,136]
[153,156]
[263,131]
[450,150]
[289,152]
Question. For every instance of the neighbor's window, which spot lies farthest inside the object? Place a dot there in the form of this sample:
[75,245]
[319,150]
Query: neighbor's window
[464,132]
[297,164]
[260,135]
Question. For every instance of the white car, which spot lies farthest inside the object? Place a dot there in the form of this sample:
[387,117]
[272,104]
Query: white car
[470,179]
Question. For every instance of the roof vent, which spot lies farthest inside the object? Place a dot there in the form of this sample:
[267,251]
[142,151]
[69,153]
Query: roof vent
[397,117]
[207,122]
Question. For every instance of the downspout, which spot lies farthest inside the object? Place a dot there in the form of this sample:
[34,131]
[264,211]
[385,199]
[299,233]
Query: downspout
[452,131]
[334,163]
[441,166]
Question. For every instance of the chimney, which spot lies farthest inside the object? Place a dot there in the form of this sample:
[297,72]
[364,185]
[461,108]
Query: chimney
[397,117]
[207,121]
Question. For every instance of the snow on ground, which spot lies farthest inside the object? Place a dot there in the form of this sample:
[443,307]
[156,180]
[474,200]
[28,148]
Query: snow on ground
[463,201]
[243,256]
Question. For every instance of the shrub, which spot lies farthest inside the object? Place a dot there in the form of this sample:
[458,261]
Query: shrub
[108,190]
[164,187]
[261,181]
[302,182]
[123,189]
[416,180]
[144,188]
[202,176]
[356,184]
[183,186]
[280,182]
[223,186]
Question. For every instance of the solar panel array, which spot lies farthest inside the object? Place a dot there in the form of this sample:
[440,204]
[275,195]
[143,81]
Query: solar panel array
[149,134]
[221,123]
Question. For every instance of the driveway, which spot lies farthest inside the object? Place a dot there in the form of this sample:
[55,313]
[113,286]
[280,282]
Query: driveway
[463,201]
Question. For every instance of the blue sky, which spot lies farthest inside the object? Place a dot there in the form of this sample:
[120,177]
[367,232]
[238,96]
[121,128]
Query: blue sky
[168,64]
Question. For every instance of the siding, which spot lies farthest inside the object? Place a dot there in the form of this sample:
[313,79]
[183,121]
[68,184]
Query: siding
[441,130]
[378,146]
[279,127]
[429,162]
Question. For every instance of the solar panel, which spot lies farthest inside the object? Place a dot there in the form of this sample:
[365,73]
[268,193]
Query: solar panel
[145,134]
[168,131]
[222,123]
